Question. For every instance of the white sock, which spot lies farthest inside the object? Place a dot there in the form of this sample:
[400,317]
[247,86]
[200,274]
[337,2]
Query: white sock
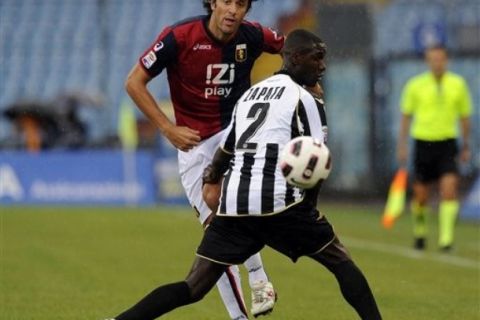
[230,289]
[255,269]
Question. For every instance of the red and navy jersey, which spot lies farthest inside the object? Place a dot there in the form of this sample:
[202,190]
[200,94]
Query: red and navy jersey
[206,77]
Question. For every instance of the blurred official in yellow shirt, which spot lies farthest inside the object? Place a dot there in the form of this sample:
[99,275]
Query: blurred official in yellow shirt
[432,104]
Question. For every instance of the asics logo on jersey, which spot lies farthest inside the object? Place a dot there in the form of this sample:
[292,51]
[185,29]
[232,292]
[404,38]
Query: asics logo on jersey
[199,46]
[219,74]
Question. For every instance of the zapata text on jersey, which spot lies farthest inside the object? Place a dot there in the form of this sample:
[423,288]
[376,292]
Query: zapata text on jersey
[267,93]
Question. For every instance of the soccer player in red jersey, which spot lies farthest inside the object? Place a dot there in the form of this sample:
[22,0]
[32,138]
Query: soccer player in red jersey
[208,61]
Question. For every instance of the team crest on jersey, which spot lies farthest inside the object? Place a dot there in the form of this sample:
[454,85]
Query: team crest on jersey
[241,52]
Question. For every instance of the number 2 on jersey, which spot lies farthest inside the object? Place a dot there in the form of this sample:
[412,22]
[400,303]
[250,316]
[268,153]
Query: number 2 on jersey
[258,112]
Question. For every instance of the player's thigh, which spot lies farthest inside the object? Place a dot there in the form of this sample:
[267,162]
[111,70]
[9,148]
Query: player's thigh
[192,184]
[448,169]
[230,240]
[191,165]
[447,155]
[425,162]
[332,254]
[433,159]
[299,231]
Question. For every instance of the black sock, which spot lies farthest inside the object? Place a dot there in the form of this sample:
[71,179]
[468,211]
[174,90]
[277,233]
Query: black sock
[158,302]
[356,291]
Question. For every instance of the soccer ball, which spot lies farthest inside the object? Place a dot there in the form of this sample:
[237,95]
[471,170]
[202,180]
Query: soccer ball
[305,161]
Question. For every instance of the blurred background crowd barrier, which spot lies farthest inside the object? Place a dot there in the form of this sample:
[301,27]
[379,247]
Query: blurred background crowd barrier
[63,64]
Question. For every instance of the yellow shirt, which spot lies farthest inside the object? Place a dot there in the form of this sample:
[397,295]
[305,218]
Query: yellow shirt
[435,105]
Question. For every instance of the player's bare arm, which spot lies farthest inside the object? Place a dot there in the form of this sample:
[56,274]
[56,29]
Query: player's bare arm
[211,194]
[182,138]
[213,173]
[402,145]
[213,176]
[465,152]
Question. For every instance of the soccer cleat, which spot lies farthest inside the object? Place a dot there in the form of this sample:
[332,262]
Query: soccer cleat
[446,249]
[419,243]
[263,298]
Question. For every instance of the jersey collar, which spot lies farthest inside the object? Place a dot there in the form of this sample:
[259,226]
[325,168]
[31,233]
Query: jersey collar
[285,72]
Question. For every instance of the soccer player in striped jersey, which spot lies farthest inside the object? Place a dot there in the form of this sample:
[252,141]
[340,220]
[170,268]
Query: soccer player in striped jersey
[208,60]
[257,207]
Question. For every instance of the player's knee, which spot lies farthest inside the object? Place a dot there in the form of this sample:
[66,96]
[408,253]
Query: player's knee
[421,198]
[197,293]
[202,278]
[448,188]
[420,193]
[197,296]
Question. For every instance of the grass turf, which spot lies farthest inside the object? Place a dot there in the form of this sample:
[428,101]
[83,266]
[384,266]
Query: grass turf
[92,263]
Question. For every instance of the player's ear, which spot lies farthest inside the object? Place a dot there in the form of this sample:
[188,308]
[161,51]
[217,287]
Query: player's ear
[295,58]
[213,4]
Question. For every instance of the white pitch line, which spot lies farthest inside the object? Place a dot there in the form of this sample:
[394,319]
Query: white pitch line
[411,253]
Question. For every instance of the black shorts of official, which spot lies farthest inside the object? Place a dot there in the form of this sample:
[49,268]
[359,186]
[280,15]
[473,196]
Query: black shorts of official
[295,232]
[432,159]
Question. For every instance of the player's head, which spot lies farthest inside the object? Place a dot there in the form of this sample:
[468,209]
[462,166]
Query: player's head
[226,16]
[437,59]
[303,56]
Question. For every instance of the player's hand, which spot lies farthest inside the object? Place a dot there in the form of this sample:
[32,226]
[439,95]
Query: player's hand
[183,138]
[210,175]
[211,194]
[465,154]
[402,154]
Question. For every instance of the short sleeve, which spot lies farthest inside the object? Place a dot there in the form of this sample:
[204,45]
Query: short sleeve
[312,115]
[160,54]
[272,40]
[228,140]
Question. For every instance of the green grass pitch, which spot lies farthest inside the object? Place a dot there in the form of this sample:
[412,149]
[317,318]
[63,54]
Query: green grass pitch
[92,263]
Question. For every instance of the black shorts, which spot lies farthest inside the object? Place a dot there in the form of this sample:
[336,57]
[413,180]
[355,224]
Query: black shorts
[295,232]
[432,159]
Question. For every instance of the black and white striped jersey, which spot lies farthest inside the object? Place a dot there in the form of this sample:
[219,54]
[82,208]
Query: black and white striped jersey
[266,117]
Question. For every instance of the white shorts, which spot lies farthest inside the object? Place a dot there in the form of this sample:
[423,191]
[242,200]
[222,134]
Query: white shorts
[191,165]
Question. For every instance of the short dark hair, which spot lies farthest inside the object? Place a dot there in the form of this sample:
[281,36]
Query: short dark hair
[301,40]
[206,5]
